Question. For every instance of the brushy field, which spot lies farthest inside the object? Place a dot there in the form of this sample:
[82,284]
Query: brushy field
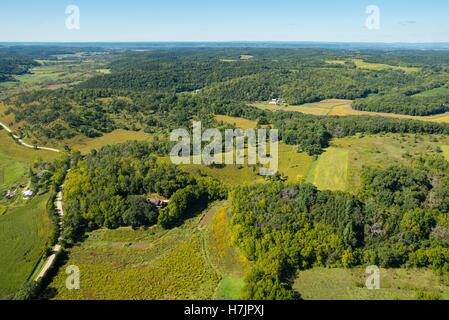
[293,164]
[85,145]
[445,152]
[349,284]
[24,232]
[331,170]
[437,92]
[148,264]
[229,263]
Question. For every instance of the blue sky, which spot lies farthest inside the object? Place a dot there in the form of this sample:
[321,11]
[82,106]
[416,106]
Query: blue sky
[225,20]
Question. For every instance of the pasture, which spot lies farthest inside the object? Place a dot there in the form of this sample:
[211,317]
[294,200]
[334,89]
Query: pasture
[24,232]
[237,122]
[349,284]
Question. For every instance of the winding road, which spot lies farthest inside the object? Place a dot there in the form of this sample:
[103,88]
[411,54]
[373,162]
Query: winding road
[17,138]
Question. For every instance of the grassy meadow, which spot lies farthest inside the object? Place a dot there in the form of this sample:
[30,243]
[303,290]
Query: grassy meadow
[24,232]
[361,64]
[349,284]
[183,263]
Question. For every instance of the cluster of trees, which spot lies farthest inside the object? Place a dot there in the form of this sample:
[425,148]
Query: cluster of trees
[110,188]
[399,218]
[403,104]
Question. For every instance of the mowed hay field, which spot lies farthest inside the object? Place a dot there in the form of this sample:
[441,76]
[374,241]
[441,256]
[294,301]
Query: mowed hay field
[340,167]
[339,107]
[349,284]
[330,172]
[24,232]
[148,264]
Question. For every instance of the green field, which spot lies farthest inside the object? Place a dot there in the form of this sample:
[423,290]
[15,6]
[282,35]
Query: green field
[446,152]
[442,91]
[15,160]
[349,284]
[85,145]
[331,170]
[194,261]
[379,66]
[24,231]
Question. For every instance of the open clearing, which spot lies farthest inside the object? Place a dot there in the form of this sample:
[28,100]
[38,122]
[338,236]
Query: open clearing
[331,170]
[24,231]
[349,284]
[339,107]
[85,145]
[194,261]
[241,123]
[379,66]
[340,167]
[445,152]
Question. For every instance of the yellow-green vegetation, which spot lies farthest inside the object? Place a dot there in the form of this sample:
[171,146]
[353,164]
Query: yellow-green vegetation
[227,260]
[293,164]
[349,284]
[24,232]
[379,66]
[3,209]
[339,107]
[85,145]
[148,264]
[336,62]
[330,172]
[339,168]
[321,108]
[441,91]
[237,122]
[15,161]
[446,152]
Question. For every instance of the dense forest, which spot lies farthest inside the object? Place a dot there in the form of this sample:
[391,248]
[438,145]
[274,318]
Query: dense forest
[399,218]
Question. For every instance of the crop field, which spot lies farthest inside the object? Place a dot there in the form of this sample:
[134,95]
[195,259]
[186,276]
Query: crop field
[24,231]
[85,145]
[379,66]
[141,264]
[330,172]
[349,284]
